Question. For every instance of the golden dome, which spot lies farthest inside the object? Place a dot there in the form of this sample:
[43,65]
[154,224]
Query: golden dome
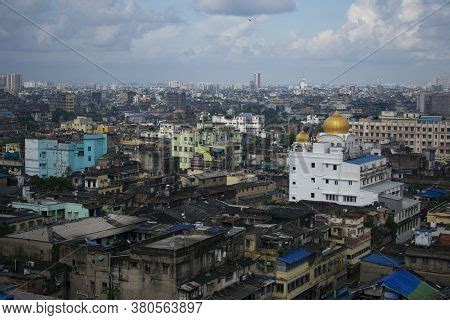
[302,137]
[336,124]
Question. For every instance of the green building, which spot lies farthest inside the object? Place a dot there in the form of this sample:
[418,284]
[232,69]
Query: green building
[54,210]
[208,142]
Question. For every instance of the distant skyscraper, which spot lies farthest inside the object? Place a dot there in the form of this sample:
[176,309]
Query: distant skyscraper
[257,80]
[2,81]
[443,81]
[302,84]
[435,104]
[13,83]
[175,84]
[62,101]
[97,97]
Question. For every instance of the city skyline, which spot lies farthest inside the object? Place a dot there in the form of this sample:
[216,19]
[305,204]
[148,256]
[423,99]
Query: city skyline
[226,41]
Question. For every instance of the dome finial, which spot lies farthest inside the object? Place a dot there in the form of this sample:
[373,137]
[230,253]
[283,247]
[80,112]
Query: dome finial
[302,137]
[336,124]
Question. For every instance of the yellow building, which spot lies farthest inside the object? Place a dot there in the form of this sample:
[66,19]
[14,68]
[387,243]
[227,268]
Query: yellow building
[103,128]
[70,103]
[303,274]
[210,179]
[439,214]
[254,189]
[13,147]
[349,230]
[80,124]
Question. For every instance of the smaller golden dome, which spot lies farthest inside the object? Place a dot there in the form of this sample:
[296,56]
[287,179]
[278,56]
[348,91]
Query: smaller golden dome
[302,137]
[336,124]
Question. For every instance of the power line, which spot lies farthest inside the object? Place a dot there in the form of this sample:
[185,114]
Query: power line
[367,56]
[64,43]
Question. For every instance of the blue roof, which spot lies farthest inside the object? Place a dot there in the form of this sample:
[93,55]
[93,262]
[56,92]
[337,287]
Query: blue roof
[4,175]
[433,193]
[365,159]
[381,260]
[5,296]
[180,226]
[294,256]
[429,119]
[401,282]
[424,230]
[214,230]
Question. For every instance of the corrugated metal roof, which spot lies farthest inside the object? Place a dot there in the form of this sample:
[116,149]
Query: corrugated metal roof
[381,260]
[409,286]
[294,256]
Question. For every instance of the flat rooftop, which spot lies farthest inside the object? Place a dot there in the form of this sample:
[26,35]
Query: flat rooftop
[210,174]
[365,159]
[88,228]
[178,242]
[382,186]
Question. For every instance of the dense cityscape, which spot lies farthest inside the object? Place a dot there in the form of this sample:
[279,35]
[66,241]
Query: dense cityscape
[169,155]
[211,191]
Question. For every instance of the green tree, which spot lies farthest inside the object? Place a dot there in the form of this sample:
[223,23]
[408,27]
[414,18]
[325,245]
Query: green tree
[60,114]
[391,225]
[52,183]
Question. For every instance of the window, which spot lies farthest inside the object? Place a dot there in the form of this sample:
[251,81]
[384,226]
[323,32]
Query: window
[293,182]
[349,199]
[313,164]
[165,268]
[279,287]
[350,183]
[89,148]
[334,166]
[312,195]
[313,180]
[89,158]
[327,181]
[336,182]
[294,168]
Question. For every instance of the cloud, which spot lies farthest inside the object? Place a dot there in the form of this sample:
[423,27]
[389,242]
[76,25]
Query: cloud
[229,38]
[108,25]
[371,23]
[244,7]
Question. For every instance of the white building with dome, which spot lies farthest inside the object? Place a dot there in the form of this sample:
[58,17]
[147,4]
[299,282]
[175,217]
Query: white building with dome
[333,167]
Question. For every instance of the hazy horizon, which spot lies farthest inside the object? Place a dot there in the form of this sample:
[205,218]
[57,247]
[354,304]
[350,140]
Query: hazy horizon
[226,41]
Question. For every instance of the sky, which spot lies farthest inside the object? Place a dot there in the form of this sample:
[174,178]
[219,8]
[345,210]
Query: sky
[226,41]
